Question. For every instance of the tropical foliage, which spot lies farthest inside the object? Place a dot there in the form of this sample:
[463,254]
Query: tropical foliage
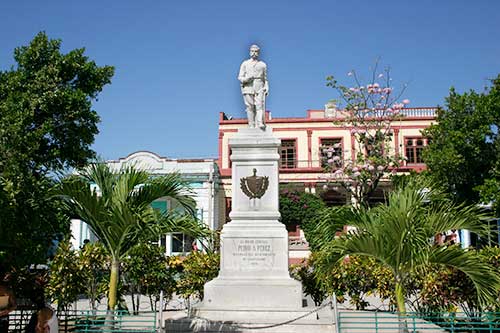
[197,269]
[146,272]
[67,278]
[94,262]
[117,206]
[399,236]
[311,284]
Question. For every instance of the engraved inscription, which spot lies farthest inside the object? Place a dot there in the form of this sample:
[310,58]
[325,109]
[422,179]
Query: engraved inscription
[253,253]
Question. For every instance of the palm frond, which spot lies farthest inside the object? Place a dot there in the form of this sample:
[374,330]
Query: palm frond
[485,278]
[171,186]
[120,211]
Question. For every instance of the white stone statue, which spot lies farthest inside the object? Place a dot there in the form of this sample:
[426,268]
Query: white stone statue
[254,87]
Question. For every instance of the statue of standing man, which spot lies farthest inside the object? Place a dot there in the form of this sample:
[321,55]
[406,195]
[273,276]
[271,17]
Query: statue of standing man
[254,87]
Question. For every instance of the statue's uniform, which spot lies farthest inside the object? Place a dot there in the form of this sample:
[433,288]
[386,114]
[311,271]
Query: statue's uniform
[253,78]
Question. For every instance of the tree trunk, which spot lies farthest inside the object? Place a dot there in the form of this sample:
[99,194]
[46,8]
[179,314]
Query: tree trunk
[113,283]
[400,301]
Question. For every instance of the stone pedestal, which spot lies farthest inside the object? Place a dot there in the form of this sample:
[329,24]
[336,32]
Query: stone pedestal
[254,290]
[254,245]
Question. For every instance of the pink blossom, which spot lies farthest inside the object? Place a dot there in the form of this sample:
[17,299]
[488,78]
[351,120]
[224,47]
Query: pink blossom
[381,75]
[337,145]
[336,158]
[325,187]
[376,85]
[380,168]
[355,169]
[356,174]
[329,161]
[338,172]
[387,90]
[406,101]
[371,168]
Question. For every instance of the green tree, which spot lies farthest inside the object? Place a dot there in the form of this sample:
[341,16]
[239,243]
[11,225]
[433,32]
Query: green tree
[464,150]
[46,124]
[117,206]
[398,236]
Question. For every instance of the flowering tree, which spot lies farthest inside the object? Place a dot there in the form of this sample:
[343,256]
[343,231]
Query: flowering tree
[369,111]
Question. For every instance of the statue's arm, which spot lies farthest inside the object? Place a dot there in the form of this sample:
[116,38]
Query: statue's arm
[242,76]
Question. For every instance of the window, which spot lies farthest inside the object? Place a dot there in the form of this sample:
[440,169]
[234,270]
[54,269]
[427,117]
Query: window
[160,205]
[176,242]
[288,154]
[413,150]
[331,152]
[181,243]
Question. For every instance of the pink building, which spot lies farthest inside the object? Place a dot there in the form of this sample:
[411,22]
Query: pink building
[302,151]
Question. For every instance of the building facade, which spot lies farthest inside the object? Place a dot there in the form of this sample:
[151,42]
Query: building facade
[202,176]
[303,141]
[303,147]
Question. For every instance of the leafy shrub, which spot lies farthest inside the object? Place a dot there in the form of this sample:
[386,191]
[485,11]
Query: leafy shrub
[67,278]
[297,207]
[311,284]
[197,269]
[146,272]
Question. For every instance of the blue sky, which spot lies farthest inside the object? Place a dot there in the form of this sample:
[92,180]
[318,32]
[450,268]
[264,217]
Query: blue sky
[177,61]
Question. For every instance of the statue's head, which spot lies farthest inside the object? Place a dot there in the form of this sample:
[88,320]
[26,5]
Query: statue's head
[254,51]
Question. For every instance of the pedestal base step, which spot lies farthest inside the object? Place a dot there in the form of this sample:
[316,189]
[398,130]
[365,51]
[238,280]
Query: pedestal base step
[283,293]
[255,321]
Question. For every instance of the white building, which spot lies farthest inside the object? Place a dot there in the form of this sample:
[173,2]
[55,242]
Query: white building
[202,176]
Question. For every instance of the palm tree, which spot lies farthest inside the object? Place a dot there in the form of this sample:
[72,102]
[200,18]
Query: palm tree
[117,206]
[399,235]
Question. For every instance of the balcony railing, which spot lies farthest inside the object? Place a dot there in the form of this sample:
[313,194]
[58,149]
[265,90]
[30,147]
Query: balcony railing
[297,243]
[419,112]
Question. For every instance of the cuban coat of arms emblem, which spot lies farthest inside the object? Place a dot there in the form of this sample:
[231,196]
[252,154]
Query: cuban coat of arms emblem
[254,186]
